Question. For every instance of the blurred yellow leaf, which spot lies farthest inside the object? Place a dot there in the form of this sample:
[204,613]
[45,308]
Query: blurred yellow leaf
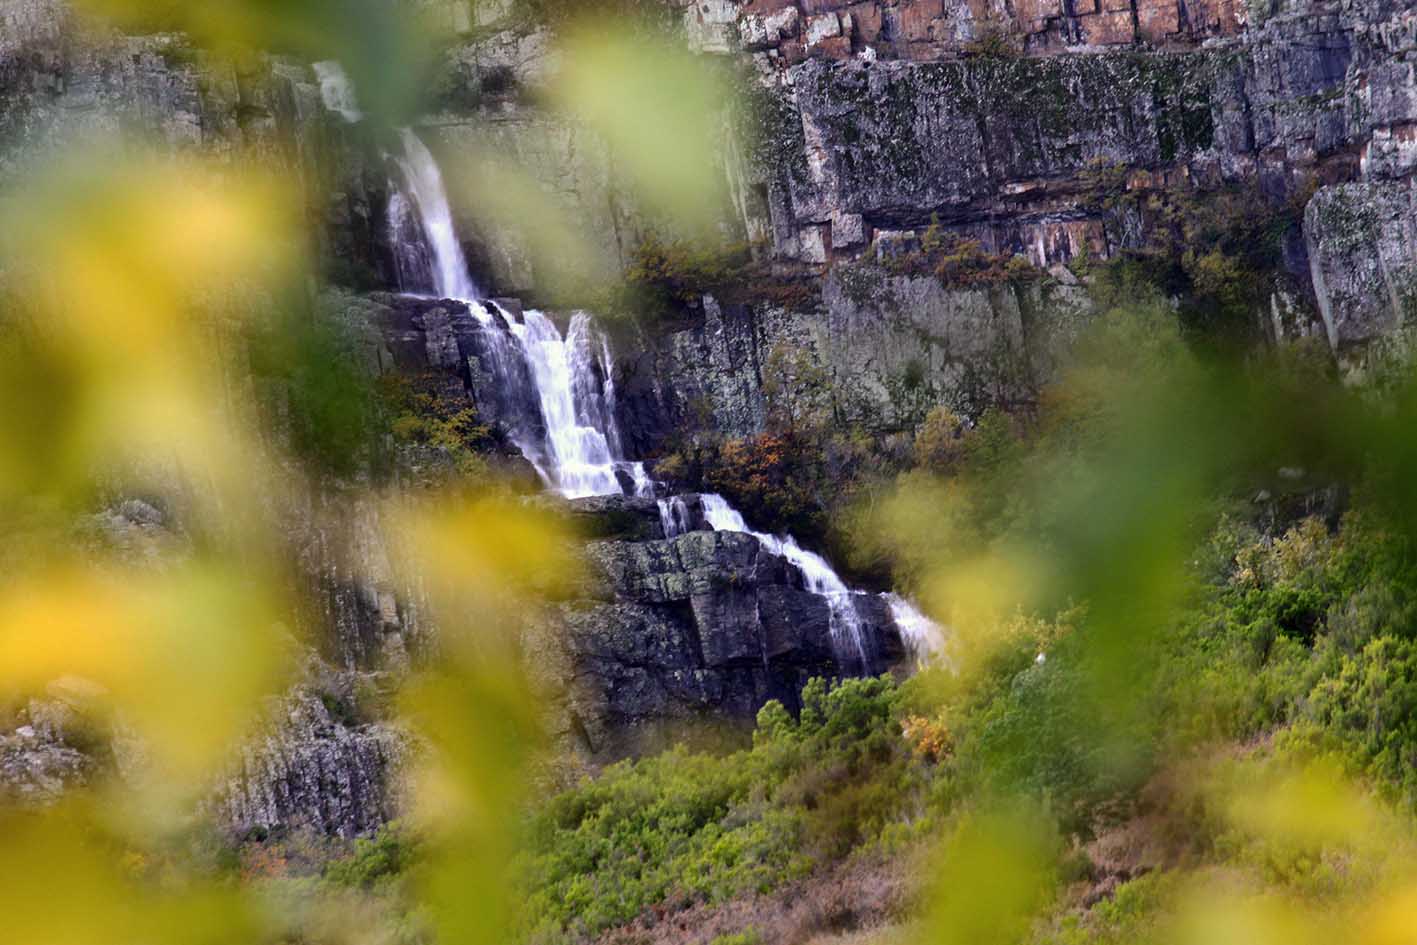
[662,110]
[1392,919]
[482,558]
[386,47]
[998,872]
[183,657]
[1310,806]
[1216,914]
[61,884]
[504,197]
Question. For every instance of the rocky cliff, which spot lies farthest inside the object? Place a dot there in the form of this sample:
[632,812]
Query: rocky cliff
[1047,131]
[662,633]
[1009,124]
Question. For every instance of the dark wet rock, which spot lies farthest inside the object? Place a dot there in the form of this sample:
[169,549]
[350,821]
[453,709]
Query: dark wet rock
[672,634]
[627,518]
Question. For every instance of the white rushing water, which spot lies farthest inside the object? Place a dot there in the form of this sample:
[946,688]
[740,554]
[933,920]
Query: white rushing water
[573,403]
[674,516]
[336,91]
[921,634]
[561,387]
[819,576]
[451,279]
[570,375]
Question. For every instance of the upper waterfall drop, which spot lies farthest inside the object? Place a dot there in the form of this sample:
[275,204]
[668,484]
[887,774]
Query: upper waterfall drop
[336,91]
[451,279]
[575,447]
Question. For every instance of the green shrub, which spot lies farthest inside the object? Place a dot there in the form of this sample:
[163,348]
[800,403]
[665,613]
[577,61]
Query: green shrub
[665,276]
[683,827]
[387,854]
[1369,707]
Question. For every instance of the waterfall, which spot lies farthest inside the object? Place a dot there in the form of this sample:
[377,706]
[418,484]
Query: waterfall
[674,516]
[574,404]
[336,91]
[921,634]
[556,396]
[821,579]
[425,182]
[574,442]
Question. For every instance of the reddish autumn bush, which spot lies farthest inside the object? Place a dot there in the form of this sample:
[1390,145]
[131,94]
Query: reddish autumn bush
[771,478]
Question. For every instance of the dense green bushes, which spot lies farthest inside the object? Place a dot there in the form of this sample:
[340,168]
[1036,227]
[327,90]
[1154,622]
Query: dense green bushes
[386,854]
[683,827]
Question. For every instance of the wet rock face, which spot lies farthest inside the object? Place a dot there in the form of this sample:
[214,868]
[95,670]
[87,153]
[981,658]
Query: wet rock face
[623,518]
[895,141]
[1004,149]
[699,629]
[68,84]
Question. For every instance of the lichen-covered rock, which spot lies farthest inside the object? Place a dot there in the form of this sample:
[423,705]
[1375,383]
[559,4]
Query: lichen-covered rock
[888,346]
[1362,240]
[36,770]
[366,617]
[315,772]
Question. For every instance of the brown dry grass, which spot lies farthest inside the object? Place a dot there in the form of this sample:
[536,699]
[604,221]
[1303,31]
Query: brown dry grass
[859,902]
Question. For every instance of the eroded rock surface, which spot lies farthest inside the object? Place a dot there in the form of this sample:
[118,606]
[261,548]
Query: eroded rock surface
[700,629]
[313,770]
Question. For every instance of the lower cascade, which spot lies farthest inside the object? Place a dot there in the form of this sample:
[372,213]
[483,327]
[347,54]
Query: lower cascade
[558,404]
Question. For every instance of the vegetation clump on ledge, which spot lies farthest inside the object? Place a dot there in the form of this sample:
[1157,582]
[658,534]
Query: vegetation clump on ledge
[959,262]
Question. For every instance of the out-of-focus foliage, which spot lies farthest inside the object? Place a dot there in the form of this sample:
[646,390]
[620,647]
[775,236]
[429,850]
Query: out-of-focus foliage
[998,871]
[107,272]
[660,110]
[1172,620]
[331,407]
[386,47]
[104,267]
[48,858]
[132,291]
[1114,635]
[480,562]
